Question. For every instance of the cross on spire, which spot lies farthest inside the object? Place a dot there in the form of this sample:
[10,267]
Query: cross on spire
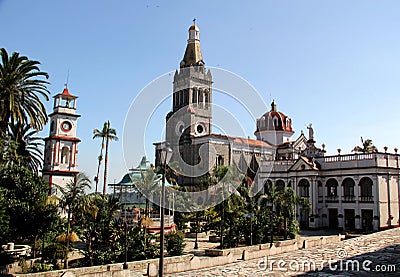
[194,21]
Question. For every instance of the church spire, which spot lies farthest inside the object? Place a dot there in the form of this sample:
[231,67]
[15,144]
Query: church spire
[193,54]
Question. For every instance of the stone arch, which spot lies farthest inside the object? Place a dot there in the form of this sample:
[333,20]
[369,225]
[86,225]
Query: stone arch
[348,185]
[331,187]
[194,95]
[279,185]
[267,186]
[366,184]
[201,97]
[304,188]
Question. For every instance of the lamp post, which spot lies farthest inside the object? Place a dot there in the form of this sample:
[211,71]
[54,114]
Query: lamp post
[166,153]
[125,265]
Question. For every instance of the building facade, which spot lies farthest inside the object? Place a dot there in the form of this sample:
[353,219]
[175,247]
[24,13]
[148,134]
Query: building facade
[358,191]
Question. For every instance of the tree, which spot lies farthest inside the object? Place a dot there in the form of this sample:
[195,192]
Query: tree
[285,203]
[24,205]
[70,195]
[231,210]
[28,152]
[367,147]
[107,134]
[146,186]
[100,230]
[20,91]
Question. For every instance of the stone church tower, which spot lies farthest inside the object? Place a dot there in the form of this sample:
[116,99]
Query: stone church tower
[191,115]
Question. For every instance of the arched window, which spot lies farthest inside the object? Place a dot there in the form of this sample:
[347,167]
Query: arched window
[331,186]
[201,97]
[304,188]
[366,189]
[220,160]
[65,155]
[194,95]
[267,187]
[186,97]
[206,98]
[348,187]
[279,185]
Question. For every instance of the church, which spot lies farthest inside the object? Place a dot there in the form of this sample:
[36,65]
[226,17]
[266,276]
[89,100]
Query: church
[357,191]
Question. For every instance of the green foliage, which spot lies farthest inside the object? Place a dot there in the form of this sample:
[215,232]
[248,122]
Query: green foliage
[25,209]
[180,219]
[53,252]
[175,243]
[140,246]
[293,228]
[28,147]
[102,234]
[107,134]
[40,267]
[20,89]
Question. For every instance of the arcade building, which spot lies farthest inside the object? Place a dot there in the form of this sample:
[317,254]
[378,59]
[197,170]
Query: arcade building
[357,191]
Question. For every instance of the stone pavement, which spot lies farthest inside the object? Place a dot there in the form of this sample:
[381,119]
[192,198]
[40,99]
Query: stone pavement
[375,254]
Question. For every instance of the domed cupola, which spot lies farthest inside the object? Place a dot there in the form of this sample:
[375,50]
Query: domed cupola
[193,56]
[274,127]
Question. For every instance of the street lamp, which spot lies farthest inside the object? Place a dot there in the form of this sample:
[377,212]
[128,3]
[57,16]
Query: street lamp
[125,265]
[166,153]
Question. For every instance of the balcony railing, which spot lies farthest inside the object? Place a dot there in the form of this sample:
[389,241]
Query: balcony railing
[369,199]
[332,198]
[349,198]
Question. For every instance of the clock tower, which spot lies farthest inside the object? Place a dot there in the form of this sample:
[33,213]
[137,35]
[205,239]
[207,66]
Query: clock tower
[60,154]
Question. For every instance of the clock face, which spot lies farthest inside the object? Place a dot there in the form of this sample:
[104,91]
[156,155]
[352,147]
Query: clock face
[66,126]
[200,128]
[180,127]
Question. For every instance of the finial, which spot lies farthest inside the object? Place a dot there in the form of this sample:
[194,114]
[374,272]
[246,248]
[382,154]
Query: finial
[66,84]
[273,106]
[194,21]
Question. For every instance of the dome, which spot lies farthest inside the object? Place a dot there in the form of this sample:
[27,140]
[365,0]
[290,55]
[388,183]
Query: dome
[274,121]
[194,27]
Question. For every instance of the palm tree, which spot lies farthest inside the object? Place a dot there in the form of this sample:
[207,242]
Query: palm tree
[286,201]
[367,147]
[146,187]
[70,195]
[107,134]
[28,151]
[97,133]
[20,89]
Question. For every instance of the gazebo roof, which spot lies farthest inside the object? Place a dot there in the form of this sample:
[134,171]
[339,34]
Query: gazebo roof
[136,173]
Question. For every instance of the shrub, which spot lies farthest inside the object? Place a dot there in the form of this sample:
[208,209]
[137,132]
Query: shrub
[41,267]
[175,243]
[54,252]
[293,228]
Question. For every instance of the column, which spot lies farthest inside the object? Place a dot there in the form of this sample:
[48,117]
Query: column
[340,207]
[357,207]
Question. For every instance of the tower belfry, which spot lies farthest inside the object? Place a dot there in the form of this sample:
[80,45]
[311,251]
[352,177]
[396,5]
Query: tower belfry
[61,146]
[191,114]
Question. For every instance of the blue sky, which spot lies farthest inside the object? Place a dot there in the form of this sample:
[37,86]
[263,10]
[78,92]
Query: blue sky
[335,64]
